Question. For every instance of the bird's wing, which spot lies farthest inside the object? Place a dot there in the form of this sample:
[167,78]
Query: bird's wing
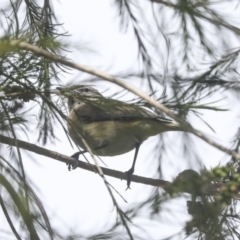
[109,109]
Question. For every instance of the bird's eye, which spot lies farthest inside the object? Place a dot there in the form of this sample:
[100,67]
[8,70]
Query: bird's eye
[86,90]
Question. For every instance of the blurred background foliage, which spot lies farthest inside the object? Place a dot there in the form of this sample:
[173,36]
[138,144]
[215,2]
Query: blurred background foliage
[198,33]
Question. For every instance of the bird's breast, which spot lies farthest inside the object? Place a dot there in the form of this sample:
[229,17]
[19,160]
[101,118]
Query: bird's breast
[117,137]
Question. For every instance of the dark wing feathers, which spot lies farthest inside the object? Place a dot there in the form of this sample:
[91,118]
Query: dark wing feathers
[97,111]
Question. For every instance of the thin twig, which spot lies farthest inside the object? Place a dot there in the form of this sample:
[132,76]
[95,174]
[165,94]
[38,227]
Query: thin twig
[198,14]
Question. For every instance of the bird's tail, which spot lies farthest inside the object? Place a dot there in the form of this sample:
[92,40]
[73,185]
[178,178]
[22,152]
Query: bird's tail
[160,127]
[172,127]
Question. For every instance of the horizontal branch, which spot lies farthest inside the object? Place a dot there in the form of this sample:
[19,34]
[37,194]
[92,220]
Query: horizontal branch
[84,165]
[211,189]
[83,68]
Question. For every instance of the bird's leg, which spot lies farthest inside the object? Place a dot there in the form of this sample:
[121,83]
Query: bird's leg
[131,170]
[75,163]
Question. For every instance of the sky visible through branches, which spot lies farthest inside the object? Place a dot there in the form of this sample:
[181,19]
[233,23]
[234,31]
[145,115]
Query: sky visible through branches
[185,55]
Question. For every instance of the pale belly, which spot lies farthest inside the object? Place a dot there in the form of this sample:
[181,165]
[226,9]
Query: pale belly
[116,137]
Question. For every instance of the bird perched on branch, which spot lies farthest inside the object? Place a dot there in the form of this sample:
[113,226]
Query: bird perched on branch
[110,127]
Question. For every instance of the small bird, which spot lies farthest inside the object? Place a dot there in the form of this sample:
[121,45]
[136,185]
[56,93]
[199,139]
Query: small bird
[110,127]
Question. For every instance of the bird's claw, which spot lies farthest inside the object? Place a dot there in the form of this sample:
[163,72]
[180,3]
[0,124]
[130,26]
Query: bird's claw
[75,162]
[129,174]
[72,166]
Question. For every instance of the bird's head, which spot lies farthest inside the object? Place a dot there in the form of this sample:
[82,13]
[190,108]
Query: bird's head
[77,94]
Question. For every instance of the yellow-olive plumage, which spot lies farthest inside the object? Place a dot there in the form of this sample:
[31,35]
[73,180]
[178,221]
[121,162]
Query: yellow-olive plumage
[119,125]
[111,127]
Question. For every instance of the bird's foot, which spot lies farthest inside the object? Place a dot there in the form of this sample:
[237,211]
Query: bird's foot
[75,162]
[129,174]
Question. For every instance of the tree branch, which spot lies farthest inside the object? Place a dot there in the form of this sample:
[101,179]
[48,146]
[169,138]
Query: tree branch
[108,77]
[84,165]
[210,189]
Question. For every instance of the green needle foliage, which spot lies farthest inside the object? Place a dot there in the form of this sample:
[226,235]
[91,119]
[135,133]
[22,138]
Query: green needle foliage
[187,48]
